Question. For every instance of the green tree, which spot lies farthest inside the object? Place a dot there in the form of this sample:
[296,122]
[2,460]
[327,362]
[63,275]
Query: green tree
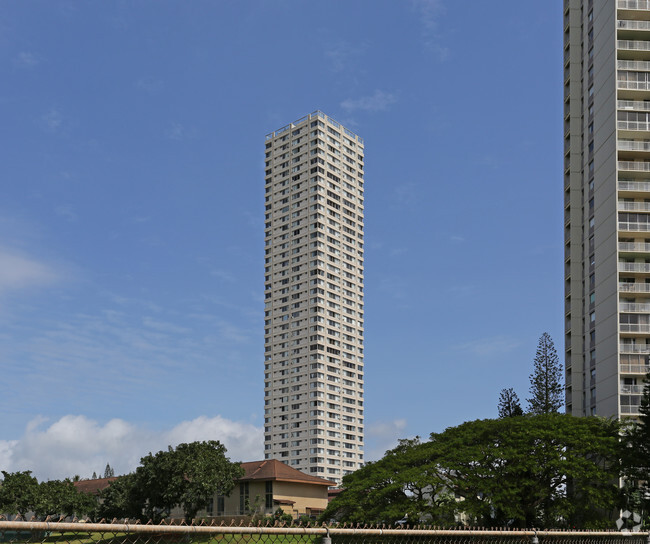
[536,471]
[121,499]
[18,492]
[546,384]
[509,405]
[108,471]
[188,476]
[60,498]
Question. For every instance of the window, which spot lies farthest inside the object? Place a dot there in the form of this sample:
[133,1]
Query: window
[269,495]
[243,498]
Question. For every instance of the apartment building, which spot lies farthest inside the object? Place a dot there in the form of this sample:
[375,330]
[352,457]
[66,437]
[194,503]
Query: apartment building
[606,204]
[313,325]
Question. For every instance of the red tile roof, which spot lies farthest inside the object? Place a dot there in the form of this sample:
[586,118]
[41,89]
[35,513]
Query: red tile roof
[93,486]
[272,469]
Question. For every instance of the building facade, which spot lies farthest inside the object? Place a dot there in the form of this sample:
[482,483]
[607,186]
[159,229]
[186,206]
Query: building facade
[313,325]
[606,204]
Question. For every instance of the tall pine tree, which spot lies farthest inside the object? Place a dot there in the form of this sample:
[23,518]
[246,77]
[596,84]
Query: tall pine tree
[509,405]
[546,384]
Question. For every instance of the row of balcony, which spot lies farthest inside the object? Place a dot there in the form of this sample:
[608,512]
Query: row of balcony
[633,4]
[632,389]
[624,287]
[634,267]
[631,247]
[636,65]
[633,45]
[634,307]
[627,145]
[633,206]
[637,105]
[633,85]
[638,328]
[634,186]
[640,349]
[634,166]
[633,227]
[626,24]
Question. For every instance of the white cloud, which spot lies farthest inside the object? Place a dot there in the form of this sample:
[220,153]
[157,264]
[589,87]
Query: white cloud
[490,347]
[149,85]
[76,444]
[429,12]
[383,436]
[52,120]
[25,58]
[19,272]
[179,132]
[378,101]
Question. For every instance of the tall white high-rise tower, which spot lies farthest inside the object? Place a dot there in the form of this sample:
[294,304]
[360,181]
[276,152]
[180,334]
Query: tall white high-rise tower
[313,325]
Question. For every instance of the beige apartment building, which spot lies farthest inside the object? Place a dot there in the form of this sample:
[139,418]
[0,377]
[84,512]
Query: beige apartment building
[313,325]
[606,204]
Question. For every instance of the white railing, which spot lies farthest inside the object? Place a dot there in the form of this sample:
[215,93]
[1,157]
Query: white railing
[634,267]
[639,186]
[632,389]
[634,227]
[636,166]
[643,349]
[633,4]
[626,409]
[633,45]
[633,206]
[634,246]
[630,307]
[634,327]
[633,85]
[639,105]
[626,24]
[634,369]
[632,125]
[625,145]
[634,287]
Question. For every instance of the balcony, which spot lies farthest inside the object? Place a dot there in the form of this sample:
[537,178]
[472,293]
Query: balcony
[643,349]
[634,369]
[632,389]
[634,267]
[633,25]
[633,85]
[634,166]
[633,45]
[633,206]
[631,410]
[638,328]
[626,145]
[634,105]
[634,287]
[633,4]
[633,125]
[634,247]
[634,186]
[633,227]
[634,307]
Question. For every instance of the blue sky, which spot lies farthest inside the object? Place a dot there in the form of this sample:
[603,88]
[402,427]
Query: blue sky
[131,212]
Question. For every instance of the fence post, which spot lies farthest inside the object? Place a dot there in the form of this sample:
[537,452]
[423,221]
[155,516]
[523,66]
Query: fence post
[328,540]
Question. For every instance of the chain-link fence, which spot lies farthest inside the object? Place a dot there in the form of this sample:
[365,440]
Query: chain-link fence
[29,532]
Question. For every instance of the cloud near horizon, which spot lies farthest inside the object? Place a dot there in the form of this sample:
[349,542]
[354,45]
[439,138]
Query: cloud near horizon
[20,271]
[378,101]
[75,444]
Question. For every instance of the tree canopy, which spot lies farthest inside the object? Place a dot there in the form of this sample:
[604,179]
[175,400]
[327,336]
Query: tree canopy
[188,476]
[545,470]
